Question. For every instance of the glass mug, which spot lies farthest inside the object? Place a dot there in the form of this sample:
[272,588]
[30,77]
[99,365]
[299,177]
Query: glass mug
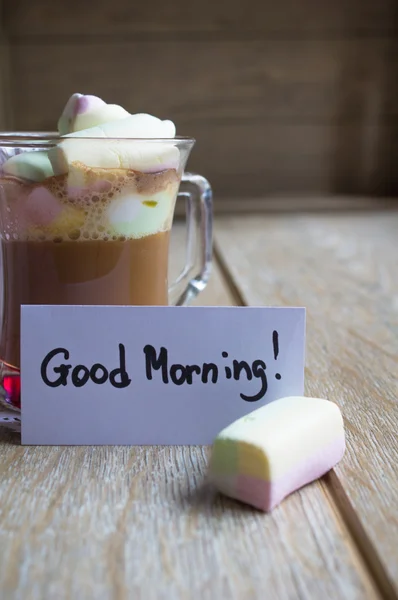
[93,235]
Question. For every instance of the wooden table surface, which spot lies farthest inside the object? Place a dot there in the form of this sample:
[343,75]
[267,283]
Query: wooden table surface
[120,523]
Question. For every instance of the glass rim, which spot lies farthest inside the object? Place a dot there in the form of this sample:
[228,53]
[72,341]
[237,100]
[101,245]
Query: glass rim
[35,137]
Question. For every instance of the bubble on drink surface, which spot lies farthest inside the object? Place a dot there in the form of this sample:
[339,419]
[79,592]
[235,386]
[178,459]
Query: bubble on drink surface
[121,204]
[74,234]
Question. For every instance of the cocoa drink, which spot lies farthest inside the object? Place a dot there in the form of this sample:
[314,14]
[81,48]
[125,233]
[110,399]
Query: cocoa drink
[85,217]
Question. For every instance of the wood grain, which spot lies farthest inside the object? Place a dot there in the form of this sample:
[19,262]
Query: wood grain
[143,523]
[92,17]
[270,117]
[295,203]
[119,522]
[5,99]
[283,97]
[258,159]
[343,269]
[296,82]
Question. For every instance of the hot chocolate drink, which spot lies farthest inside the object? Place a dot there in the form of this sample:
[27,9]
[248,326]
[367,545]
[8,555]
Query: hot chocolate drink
[87,220]
[118,272]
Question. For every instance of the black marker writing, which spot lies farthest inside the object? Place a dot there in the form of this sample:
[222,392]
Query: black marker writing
[240,366]
[63,370]
[81,374]
[56,371]
[179,374]
[275,343]
[207,367]
[259,372]
[228,372]
[152,362]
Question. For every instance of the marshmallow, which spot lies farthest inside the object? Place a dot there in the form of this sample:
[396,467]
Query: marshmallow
[6,153]
[135,216]
[81,179]
[90,117]
[109,174]
[140,125]
[77,104]
[83,112]
[45,213]
[68,221]
[113,154]
[33,166]
[102,114]
[273,451]
[41,207]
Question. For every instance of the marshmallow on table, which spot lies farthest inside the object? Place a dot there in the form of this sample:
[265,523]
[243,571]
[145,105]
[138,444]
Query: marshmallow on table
[32,166]
[273,451]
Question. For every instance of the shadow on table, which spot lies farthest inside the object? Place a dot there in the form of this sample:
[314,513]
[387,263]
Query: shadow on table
[206,498]
[9,437]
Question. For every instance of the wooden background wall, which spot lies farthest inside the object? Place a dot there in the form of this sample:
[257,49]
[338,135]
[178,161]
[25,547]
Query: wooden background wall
[285,97]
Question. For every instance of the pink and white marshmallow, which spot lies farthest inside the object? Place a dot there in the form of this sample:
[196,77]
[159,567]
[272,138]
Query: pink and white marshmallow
[29,166]
[85,111]
[277,449]
[127,145]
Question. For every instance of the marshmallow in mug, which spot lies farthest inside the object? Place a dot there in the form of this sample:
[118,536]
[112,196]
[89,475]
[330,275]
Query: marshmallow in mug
[85,111]
[47,214]
[32,166]
[131,215]
[115,153]
[41,207]
[140,125]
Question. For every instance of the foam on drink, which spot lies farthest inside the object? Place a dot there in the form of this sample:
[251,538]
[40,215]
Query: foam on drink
[110,203]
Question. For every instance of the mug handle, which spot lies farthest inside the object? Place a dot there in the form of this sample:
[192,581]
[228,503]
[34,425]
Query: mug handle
[199,207]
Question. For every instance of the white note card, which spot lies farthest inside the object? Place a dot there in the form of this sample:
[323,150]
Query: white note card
[133,375]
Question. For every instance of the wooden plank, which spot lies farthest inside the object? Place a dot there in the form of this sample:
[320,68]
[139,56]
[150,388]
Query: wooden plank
[269,117]
[43,17]
[343,269]
[70,519]
[296,82]
[143,523]
[304,202]
[257,159]
[5,100]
